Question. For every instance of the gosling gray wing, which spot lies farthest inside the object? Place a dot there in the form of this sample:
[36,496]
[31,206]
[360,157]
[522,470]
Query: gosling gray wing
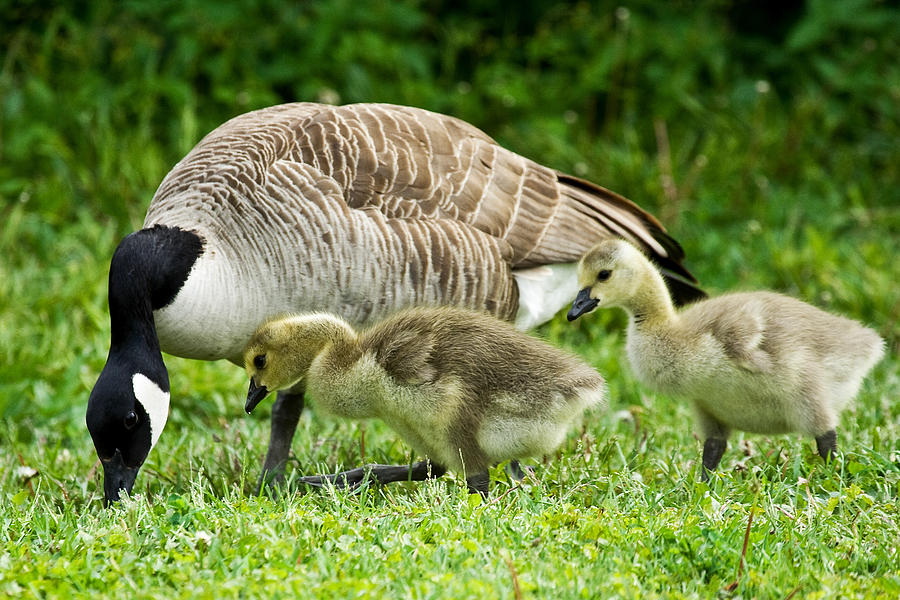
[738,325]
[405,353]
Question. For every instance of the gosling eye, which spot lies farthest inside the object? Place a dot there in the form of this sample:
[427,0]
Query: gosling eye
[131,420]
[259,361]
[604,275]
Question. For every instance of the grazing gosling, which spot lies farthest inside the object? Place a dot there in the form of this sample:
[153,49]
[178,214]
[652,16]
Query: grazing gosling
[755,361]
[464,389]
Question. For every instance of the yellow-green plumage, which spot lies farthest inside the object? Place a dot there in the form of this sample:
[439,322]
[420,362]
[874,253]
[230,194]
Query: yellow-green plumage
[754,361]
[462,388]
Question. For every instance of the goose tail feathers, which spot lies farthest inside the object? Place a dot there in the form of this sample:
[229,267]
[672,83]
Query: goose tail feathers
[624,218]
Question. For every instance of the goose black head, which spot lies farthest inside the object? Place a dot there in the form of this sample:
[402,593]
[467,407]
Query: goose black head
[129,404]
[125,416]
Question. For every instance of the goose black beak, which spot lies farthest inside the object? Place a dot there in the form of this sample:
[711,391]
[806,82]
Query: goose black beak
[117,476]
[583,303]
[255,395]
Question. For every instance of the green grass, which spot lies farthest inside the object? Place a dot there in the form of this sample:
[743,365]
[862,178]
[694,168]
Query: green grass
[618,512]
[792,187]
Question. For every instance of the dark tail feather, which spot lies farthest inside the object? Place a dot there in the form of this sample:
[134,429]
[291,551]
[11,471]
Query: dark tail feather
[681,283]
[681,289]
[601,201]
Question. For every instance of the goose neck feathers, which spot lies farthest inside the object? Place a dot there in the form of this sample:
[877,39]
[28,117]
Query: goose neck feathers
[128,405]
[147,270]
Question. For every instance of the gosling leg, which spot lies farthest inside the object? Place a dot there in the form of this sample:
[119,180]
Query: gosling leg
[479,483]
[827,445]
[715,436]
[382,474]
[713,449]
[517,471]
[285,416]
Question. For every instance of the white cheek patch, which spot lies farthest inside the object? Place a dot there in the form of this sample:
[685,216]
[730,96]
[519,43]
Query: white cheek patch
[155,402]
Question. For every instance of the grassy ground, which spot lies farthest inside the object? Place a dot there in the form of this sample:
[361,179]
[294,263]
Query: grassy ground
[767,186]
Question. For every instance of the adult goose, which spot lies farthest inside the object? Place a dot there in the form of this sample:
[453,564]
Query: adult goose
[357,210]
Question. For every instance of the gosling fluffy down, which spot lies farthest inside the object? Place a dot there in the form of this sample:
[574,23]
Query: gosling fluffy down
[464,389]
[756,361]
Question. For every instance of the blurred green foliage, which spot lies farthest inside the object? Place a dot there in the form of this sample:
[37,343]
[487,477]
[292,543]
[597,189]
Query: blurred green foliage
[100,98]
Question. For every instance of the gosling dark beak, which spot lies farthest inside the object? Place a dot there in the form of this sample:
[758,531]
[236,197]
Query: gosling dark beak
[583,303]
[255,395]
[117,476]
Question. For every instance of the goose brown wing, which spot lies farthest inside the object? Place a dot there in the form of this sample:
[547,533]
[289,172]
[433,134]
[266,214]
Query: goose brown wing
[236,155]
[386,262]
[411,163]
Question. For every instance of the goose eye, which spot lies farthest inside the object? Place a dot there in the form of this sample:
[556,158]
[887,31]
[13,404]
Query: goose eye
[604,275]
[259,361]
[131,419]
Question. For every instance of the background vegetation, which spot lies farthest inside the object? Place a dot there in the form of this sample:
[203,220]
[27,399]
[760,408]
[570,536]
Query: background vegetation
[764,134]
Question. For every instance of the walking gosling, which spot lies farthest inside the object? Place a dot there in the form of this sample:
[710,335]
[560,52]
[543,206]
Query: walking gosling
[464,389]
[755,361]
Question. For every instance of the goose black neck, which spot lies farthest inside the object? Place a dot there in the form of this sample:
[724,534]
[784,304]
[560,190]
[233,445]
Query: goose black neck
[147,271]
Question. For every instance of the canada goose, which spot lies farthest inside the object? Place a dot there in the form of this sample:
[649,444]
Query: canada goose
[464,389]
[358,210]
[754,361]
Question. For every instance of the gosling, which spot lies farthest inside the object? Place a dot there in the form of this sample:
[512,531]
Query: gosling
[462,388]
[755,361]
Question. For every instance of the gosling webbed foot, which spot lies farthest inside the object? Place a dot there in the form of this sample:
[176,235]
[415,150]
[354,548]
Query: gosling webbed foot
[478,483]
[827,445]
[351,479]
[713,449]
[382,474]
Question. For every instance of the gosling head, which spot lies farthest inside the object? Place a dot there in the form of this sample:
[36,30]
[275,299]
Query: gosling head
[608,275]
[281,350]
